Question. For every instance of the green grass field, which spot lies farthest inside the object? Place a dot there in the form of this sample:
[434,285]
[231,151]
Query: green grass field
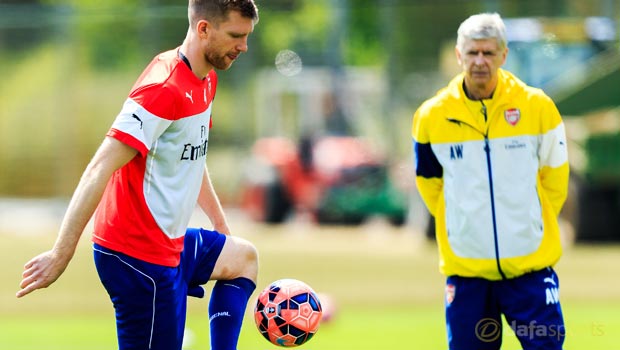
[388,292]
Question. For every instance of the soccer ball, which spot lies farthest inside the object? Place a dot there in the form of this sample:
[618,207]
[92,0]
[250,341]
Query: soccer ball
[328,306]
[288,313]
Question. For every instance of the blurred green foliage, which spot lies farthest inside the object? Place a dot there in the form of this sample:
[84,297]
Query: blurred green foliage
[67,65]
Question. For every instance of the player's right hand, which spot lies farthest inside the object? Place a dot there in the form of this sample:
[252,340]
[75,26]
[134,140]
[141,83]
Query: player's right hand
[40,272]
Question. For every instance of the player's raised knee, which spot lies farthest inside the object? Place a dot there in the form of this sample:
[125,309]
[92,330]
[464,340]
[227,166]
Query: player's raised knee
[242,258]
[249,253]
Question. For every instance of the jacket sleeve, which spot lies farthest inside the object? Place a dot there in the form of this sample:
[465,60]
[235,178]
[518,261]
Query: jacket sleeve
[553,155]
[429,172]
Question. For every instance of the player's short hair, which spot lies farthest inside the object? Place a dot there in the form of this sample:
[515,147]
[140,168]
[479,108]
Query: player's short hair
[482,26]
[218,10]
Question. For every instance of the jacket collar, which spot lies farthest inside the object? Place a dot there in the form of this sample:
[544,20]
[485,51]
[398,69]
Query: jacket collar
[508,86]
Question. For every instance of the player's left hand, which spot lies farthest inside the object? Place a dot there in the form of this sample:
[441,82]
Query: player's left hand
[40,272]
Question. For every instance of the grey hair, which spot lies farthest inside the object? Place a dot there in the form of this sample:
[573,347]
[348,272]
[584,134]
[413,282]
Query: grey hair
[482,26]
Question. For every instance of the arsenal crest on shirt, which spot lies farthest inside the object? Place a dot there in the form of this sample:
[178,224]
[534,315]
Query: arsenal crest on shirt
[512,116]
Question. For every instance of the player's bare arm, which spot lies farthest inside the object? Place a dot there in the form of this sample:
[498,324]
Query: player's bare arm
[44,269]
[210,204]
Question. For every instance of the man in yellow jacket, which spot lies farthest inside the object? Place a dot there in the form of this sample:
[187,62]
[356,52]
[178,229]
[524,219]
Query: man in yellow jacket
[492,168]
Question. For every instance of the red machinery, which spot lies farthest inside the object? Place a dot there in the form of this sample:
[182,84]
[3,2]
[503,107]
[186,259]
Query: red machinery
[336,179]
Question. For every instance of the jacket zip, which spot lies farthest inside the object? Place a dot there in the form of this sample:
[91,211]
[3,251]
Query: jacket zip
[487,150]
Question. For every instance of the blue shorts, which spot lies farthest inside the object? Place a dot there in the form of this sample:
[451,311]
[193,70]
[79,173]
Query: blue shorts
[150,301]
[529,303]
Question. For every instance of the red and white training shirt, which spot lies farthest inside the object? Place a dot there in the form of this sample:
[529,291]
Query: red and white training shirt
[148,202]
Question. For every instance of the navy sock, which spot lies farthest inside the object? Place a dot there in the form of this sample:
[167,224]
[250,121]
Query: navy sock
[226,310]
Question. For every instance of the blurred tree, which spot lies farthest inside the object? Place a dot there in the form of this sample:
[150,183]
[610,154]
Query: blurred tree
[85,54]
[364,43]
[18,34]
[302,27]
[123,33]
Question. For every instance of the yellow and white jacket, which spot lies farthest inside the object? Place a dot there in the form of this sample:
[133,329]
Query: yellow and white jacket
[494,173]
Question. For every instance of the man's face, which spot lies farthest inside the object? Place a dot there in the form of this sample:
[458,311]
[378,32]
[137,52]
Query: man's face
[227,39]
[480,60]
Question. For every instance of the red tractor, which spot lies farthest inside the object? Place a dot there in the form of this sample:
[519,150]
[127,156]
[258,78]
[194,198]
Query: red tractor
[335,179]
